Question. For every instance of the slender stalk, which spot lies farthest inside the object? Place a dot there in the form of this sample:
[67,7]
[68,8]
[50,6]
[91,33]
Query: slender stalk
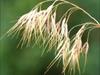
[82,10]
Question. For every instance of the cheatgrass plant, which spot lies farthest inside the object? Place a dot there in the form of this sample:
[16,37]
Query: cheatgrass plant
[42,24]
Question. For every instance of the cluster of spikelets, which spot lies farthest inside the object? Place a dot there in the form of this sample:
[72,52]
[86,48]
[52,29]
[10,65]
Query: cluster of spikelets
[42,24]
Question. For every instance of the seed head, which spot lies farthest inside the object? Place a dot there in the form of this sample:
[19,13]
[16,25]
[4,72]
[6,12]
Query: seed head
[38,24]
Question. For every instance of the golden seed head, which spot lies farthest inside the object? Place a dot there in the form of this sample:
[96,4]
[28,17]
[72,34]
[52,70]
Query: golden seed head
[43,24]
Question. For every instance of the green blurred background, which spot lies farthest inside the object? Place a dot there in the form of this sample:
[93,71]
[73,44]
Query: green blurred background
[28,61]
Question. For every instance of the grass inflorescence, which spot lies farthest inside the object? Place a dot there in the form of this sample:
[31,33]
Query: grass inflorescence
[42,24]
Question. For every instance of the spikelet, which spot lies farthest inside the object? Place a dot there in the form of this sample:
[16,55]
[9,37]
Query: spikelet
[85,52]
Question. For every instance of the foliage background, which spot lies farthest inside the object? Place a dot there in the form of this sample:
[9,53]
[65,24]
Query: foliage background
[28,61]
